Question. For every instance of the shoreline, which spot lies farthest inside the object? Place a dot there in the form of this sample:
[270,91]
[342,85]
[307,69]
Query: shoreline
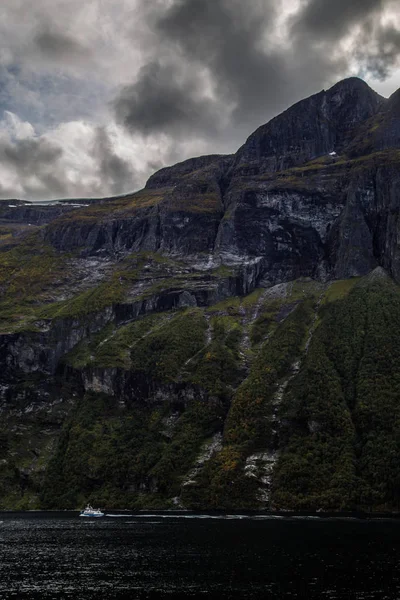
[232,514]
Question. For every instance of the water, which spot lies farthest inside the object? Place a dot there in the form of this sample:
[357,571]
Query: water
[197,556]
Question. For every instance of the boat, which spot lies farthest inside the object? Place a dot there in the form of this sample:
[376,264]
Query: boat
[89,511]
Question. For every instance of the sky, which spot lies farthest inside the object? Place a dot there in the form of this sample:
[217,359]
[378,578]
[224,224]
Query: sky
[95,95]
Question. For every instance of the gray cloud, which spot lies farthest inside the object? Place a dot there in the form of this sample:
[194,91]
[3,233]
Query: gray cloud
[166,99]
[376,46]
[114,172]
[327,20]
[378,49]
[235,47]
[49,99]
[56,45]
[227,38]
[29,154]
[34,165]
[73,160]
[253,73]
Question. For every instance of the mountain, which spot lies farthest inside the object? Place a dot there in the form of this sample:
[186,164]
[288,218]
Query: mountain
[227,337]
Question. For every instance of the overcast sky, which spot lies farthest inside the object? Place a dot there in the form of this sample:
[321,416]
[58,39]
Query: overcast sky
[95,95]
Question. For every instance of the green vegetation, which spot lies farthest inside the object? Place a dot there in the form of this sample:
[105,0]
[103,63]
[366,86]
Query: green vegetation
[365,140]
[156,345]
[329,410]
[268,320]
[288,398]
[111,347]
[28,439]
[165,350]
[113,290]
[250,421]
[317,468]
[221,484]
[194,202]
[32,272]
[339,289]
[91,301]
[230,306]
[158,272]
[274,310]
[28,273]
[109,209]
[324,172]
[217,367]
[123,457]
[341,445]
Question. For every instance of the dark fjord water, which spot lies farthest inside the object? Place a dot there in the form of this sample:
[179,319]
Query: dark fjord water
[188,556]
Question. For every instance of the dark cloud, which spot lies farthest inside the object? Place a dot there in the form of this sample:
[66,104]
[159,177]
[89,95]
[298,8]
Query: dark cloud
[50,185]
[235,44]
[115,173]
[166,99]
[215,42]
[34,163]
[227,37]
[378,49]
[28,155]
[254,75]
[56,45]
[323,19]
[376,46]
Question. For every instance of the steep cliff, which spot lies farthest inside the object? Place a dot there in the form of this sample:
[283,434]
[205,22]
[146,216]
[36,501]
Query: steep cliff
[226,337]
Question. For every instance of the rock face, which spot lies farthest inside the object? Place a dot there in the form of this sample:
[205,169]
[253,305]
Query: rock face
[314,127]
[215,339]
[282,205]
[171,176]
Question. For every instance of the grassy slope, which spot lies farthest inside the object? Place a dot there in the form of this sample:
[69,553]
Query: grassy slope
[195,350]
[338,446]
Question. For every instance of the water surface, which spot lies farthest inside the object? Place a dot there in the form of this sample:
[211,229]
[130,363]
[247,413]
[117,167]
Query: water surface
[198,556]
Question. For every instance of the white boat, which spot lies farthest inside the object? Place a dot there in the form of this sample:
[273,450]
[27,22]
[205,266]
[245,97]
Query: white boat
[89,511]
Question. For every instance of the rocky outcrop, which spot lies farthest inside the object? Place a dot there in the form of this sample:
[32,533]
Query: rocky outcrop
[170,176]
[112,236]
[12,211]
[314,127]
[180,219]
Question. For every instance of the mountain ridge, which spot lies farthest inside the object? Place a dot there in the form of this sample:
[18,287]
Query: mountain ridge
[213,340]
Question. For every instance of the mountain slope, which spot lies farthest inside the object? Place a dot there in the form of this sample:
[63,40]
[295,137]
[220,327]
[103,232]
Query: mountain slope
[226,337]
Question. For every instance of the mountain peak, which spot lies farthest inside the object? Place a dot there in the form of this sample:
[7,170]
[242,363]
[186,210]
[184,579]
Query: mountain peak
[358,94]
[350,83]
[313,127]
